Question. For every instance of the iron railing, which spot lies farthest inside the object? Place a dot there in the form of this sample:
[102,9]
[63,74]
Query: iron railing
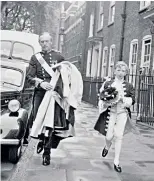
[144,92]
[145,102]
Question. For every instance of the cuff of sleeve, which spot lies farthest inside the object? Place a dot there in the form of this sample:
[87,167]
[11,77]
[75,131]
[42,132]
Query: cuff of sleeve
[38,82]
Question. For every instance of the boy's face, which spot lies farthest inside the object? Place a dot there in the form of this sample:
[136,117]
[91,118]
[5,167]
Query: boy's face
[120,72]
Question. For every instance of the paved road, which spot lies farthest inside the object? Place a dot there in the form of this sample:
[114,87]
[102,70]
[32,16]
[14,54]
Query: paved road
[79,158]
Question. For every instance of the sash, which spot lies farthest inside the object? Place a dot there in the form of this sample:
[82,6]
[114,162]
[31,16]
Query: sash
[44,64]
[54,75]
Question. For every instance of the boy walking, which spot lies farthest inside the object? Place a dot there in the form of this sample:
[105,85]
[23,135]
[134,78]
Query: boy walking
[116,98]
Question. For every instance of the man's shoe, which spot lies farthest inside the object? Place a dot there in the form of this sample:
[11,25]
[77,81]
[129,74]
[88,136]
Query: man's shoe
[117,168]
[104,152]
[25,142]
[46,160]
[40,146]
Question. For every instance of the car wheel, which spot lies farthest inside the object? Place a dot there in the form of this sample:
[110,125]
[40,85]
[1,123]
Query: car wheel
[15,153]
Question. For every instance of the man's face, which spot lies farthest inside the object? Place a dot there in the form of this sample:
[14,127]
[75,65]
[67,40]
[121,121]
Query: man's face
[120,72]
[45,42]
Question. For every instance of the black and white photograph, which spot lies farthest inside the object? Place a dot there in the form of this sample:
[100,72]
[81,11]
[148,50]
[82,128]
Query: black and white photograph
[77,90]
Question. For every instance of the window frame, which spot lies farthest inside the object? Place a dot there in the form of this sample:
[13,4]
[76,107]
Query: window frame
[101,16]
[110,20]
[133,42]
[142,6]
[147,63]
[104,64]
[110,56]
[99,60]
[89,62]
[95,60]
[17,42]
[91,25]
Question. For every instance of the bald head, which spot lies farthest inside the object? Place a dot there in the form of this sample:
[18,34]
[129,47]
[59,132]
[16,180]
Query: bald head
[45,41]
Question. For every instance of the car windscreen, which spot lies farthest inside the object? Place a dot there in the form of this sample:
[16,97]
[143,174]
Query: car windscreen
[5,48]
[22,51]
[12,77]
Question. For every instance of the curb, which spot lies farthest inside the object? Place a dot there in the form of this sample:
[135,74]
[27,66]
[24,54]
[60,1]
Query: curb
[19,173]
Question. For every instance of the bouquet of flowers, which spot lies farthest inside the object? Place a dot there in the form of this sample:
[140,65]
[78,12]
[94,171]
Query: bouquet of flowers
[109,95]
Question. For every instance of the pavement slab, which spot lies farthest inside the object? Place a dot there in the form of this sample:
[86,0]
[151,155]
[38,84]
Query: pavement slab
[78,175]
[135,177]
[46,175]
[5,175]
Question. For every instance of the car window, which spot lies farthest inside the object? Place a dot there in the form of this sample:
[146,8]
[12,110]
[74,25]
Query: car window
[22,51]
[5,48]
[11,76]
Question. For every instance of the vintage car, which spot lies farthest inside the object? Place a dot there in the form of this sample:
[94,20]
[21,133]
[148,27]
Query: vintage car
[18,45]
[16,93]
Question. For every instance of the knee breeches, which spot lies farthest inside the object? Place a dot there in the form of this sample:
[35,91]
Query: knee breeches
[116,126]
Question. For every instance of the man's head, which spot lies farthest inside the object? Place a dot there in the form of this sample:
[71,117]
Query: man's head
[45,41]
[121,69]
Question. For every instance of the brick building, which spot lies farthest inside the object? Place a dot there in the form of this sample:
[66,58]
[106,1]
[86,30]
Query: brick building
[105,32]
[117,31]
[72,34]
[95,35]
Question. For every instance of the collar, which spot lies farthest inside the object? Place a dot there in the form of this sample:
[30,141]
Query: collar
[46,52]
[118,80]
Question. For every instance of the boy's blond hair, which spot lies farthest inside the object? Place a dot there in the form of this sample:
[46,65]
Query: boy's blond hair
[122,64]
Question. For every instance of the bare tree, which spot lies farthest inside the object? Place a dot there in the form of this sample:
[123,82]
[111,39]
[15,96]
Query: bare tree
[36,16]
[14,16]
[32,16]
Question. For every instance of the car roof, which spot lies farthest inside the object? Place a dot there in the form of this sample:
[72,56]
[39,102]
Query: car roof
[24,37]
[14,64]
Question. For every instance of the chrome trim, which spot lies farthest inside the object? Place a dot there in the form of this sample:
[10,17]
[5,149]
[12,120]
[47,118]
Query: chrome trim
[9,141]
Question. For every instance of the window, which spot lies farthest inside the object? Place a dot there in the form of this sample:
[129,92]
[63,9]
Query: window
[133,60]
[99,60]
[95,59]
[146,52]
[133,56]
[88,70]
[6,48]
[101,20]
[111,12]
[101,16]
[111,61]
[22,51]
[104,61]
[144,4]
[91,28]
[11,77]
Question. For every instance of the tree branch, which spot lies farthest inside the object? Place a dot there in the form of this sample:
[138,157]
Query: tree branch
[24,23]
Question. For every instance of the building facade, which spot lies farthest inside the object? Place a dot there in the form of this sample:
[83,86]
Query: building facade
[97,34]
[72,35]
[105,32]
[117,31]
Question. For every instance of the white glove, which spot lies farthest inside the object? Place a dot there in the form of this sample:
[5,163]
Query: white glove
[46,85]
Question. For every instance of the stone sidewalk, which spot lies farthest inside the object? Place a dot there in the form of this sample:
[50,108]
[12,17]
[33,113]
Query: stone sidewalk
[79,158]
